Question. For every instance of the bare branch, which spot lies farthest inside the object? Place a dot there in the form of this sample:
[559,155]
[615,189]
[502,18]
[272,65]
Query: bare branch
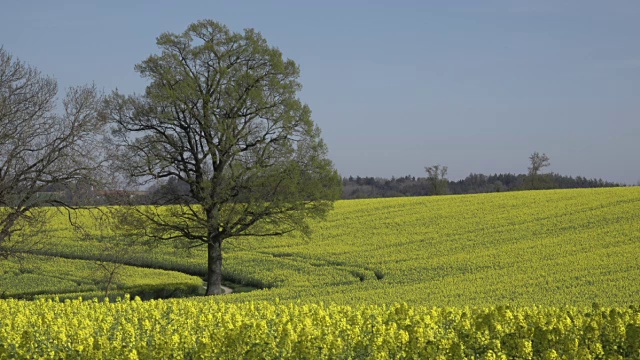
[42,152]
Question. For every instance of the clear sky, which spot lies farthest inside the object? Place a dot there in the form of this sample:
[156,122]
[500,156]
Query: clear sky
[397,85]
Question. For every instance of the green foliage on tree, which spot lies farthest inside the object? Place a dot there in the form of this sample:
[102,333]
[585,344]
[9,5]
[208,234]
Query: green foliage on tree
[535,179]
[221,114]
[437,179]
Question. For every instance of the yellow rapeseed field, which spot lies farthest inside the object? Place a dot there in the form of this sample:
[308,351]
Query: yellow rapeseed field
[537,274]
[187,329]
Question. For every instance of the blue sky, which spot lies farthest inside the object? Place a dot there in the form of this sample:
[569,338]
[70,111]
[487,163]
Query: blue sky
[396,86]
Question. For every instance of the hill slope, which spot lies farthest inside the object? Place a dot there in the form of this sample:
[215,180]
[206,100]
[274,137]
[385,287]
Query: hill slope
[538,247]
[542,247]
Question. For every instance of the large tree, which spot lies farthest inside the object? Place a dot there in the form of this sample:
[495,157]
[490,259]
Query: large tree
[41,149]
[221,115]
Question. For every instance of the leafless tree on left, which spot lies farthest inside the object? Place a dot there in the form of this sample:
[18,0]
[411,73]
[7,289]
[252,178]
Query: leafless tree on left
[44,145]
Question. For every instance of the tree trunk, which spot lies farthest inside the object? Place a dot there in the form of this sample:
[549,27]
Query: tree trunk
[108,287]
[214,268]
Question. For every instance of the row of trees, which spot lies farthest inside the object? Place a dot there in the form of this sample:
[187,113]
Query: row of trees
[436,182]
[371,187]
[220,114]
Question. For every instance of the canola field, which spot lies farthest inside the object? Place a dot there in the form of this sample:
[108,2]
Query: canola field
[560,247]
[34,276]
[537,274]
[185,329]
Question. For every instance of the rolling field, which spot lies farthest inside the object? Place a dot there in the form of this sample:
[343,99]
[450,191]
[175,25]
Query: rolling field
[543,274]
[551,248]
[561,247]
[34,276]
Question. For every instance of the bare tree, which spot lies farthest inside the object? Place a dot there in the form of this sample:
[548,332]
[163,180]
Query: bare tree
[538,162]
[437,179]
[40,148]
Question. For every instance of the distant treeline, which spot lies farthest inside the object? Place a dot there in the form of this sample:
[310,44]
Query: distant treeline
[370,187]
[174,191]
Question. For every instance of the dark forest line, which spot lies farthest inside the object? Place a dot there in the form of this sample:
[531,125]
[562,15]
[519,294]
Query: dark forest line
[376,187]
[352,188]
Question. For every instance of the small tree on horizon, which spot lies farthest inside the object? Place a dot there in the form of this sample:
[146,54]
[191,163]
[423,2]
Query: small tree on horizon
[538,162]
[437,179]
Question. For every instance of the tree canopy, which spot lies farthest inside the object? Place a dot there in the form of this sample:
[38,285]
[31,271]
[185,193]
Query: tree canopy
[221,114]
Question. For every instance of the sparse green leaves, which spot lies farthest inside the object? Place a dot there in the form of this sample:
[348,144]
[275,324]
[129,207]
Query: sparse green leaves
[221,114]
